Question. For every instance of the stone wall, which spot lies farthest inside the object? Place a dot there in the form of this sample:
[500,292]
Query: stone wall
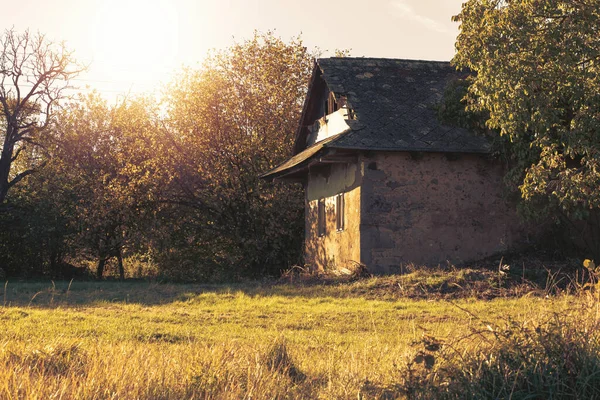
[432,208]
[335,249]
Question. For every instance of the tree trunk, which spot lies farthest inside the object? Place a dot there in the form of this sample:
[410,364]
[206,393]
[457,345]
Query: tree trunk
[54,264]
[120,261]
[5,163]
[100,270]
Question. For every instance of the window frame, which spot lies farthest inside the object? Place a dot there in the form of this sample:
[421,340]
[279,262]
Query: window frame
[340,212]
[321,217]
[331,104]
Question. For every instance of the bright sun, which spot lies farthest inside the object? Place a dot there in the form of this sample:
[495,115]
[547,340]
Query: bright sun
[135,40]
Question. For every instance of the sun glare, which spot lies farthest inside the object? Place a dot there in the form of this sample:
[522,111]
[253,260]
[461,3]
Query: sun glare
[135,40]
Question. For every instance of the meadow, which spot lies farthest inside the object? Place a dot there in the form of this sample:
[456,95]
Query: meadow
[369,338]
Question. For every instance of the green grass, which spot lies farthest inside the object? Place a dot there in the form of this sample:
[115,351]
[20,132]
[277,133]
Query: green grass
[106,340]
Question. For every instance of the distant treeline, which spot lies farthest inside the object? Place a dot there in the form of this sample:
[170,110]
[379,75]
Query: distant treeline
[165,188]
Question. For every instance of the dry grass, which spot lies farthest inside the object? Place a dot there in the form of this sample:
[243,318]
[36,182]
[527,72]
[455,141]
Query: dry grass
[103,340]
[555,355]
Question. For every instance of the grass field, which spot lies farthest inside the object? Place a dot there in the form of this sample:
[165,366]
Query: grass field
[112,340]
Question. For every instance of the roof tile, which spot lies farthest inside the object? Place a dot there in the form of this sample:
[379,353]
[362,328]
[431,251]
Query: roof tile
[395,103]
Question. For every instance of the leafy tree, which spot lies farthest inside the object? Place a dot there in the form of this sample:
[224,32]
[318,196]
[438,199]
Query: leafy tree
[536,67]
[106,158]
[179,182]
[38,229]
[228,122]
[34,73]
[39,223]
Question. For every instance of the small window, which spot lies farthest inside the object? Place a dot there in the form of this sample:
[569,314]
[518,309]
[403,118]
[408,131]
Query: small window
[339,212]
[331,104]
[321,222]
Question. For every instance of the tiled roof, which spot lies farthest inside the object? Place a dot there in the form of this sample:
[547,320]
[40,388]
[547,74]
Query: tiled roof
[394,102]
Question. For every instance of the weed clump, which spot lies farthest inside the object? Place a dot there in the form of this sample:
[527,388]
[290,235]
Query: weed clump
[557,357]
[59,360]
[279,360]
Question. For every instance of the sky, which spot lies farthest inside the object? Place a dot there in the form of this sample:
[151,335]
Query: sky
[132,46]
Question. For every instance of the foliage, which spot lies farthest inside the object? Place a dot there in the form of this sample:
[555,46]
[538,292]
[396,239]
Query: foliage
[454,110]
[110,174]
[228,122]
[39,229]
[173,186]
[95,198]
[36,234]
[536,66]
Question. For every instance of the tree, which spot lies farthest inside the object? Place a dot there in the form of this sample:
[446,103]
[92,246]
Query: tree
[107,160]
[34,74]
[229,122]
[38,229]
[96,198]
[536,66]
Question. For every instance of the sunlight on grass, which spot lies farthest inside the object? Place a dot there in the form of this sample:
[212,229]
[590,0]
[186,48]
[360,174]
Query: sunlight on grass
[146,340]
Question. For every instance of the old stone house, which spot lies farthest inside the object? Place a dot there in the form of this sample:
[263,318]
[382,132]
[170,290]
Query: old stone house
[386,183]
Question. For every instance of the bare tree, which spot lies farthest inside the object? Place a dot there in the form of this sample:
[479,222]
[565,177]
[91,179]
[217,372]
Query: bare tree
[34,74]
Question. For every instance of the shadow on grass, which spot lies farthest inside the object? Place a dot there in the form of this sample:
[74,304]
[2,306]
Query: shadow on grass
[484,280]
[419,284]
[53,294]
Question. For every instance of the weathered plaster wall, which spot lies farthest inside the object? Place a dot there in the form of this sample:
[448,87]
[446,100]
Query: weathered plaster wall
[430,209]
[334,249]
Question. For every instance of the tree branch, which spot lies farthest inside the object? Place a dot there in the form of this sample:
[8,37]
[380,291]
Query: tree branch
[25,174]
[17,152]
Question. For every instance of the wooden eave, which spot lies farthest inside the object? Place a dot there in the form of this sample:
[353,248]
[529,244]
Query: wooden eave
[323,156]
